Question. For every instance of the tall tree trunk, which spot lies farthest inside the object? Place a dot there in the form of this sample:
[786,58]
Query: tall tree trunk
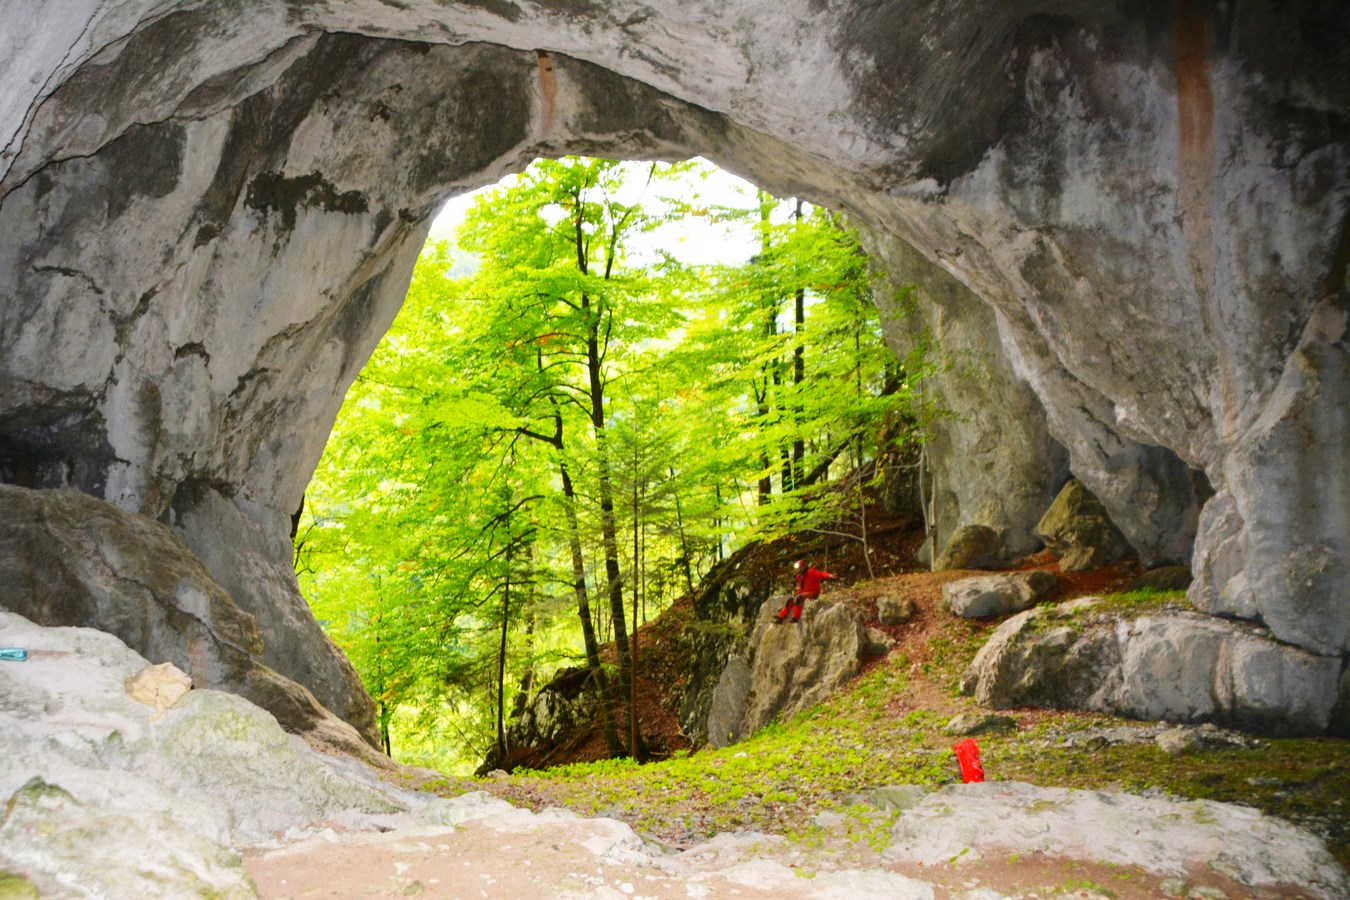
[684,541]
[634,733]
[717,527]
[768,373]
[384,716]
[765,479]
[588,629]
[612,744]
[501,649]
[798,376]
[928,504]
[608,529]
[596,386]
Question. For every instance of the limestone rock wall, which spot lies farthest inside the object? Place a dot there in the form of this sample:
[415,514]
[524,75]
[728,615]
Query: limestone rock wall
[209,213]
[998,467]
[782,669]
[1173,666]
[69,559]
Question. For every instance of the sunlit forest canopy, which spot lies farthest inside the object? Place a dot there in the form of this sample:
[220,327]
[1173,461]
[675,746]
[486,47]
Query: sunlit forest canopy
[608,378]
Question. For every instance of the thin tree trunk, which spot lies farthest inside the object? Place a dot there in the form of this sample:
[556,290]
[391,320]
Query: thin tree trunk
[717,527]
[501,650]
[858,452]
[612,571]
[684,541]
[928,506]
[634,735]
[383,714]
[611,733]
[933,524]
[769,374]
[798,376]
[765,480]
[642,570]
[596,386]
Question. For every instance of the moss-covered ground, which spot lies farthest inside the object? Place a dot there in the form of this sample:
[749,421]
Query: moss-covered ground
[887,728]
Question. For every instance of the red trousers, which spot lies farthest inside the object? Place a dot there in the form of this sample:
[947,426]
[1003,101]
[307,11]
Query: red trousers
[794,606]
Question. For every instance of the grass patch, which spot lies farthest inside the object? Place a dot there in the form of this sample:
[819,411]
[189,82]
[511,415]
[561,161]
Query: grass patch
[1137,603]
[780,779]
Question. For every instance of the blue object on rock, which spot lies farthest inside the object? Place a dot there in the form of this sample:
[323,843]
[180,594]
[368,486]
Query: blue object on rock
[17,654]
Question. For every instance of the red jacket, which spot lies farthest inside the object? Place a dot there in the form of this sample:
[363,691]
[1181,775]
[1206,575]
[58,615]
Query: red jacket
[808,582]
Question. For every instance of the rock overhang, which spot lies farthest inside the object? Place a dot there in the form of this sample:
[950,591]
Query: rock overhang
[210,219]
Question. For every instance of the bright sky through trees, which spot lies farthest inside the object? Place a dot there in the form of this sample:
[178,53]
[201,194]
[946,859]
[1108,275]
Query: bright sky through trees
[693,240]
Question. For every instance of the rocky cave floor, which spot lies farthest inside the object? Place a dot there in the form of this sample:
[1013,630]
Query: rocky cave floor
[822,854]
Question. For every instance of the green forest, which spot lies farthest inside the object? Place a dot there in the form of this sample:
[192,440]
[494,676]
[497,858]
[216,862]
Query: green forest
[568,426]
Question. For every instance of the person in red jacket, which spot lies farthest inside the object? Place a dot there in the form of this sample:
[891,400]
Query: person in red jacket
[808,588]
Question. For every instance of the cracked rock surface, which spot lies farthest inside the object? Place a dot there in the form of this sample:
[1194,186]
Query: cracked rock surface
[208,218]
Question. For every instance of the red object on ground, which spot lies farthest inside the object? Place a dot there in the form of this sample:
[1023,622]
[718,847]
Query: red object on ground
[968,755]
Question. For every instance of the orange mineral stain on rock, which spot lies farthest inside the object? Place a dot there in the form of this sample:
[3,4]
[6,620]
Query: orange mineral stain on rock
[1195,185]
[548,86]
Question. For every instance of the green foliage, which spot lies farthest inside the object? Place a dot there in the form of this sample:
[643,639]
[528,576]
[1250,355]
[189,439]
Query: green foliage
[569,406]
[16,887]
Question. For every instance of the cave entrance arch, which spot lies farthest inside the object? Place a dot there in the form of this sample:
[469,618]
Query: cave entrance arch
[209,219]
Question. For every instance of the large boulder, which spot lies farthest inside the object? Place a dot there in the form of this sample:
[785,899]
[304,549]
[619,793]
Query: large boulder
[103,798]
[1078,530]
[967,823]
[785,668]
[797,666]
[569,701]
[69,559]
[726,608]
[971,547]
[1173,665]
[895,609]
[997,595]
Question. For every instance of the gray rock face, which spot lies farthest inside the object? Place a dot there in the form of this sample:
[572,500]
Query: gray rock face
[1080,533]
[971,547]
[725,612]
[996,471]
[997,595]
[105,802]
[726,715]
[67,559]
[894,610]
[1159,835]
[569,700]
[784,669]
[798,666]
[255,567]
[209,219]
[1178,667]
